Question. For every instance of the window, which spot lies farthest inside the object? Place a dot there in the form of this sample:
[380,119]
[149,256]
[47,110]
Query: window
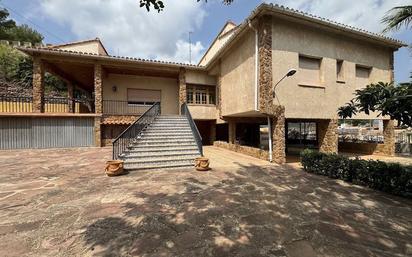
[363,72]
[200,94]
[339,71]
[142,96]
[309,70]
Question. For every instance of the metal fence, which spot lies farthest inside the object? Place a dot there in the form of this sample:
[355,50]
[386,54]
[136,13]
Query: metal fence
[51,104]
[42,132]
[114,107]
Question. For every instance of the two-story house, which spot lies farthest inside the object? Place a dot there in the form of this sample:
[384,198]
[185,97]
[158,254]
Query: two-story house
[229,94]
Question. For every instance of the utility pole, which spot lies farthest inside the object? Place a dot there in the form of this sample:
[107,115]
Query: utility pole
[190,47]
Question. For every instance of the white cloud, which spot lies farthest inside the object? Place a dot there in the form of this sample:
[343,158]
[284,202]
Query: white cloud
[129,30]
[363,14]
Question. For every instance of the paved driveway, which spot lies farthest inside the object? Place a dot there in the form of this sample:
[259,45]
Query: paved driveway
[59,203]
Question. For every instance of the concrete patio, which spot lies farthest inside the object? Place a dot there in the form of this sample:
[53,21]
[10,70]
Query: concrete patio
[59,203]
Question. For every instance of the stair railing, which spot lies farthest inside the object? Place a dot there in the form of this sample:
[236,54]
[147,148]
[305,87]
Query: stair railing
[124,140]
[198,138]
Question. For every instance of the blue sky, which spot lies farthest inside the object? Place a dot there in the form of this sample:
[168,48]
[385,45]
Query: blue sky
[126,29]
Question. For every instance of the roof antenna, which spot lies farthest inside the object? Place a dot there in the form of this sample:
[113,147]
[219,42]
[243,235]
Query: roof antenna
[190,47]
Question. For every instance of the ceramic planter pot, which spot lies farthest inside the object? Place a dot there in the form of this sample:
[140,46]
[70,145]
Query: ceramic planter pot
[202,164]
[114,168]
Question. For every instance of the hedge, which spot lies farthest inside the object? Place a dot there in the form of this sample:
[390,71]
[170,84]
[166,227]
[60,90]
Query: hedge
[392,178]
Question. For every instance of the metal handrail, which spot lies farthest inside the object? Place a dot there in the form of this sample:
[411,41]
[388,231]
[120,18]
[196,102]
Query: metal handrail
[124,140]
[185,111]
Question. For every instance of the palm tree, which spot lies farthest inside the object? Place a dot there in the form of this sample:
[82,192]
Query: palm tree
[397,17]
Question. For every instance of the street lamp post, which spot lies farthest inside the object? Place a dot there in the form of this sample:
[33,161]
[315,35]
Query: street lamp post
[290,73]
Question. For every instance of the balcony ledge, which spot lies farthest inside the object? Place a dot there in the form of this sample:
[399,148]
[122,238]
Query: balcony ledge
[35,114]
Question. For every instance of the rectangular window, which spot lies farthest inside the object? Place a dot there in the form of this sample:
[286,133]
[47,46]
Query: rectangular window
[363,72]
[189,96]
[339,71]
[143,96]
[309,70]
[197,94]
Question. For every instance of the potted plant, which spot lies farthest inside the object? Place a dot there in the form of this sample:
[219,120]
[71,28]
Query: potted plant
[114,168]
[202,164]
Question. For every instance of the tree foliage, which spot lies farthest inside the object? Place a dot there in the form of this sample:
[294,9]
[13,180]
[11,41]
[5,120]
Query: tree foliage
[397,17]
[158,5]
[10,31]
[384,98]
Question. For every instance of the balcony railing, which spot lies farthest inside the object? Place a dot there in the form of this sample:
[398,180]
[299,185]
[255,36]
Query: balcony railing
[114,107]
[11,104]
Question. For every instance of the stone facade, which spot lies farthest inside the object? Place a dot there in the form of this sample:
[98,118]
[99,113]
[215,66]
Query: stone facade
[97,132]
[328,135]
[98,88]
[70,96]
[119,120]
[247,150]
[98,102]
[38,85]
[219,95]
[182,88]
[278,137]
[265,64]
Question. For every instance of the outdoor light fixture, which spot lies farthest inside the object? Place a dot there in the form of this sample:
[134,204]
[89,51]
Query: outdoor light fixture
[290,73]
[114,88]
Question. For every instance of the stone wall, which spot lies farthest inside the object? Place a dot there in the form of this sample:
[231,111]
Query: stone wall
[98,88]
[247,150]
[278,137]
[97,132]
[38,85]
[265,65]
[119,119]
[328,135]
[362,148]
[182,87]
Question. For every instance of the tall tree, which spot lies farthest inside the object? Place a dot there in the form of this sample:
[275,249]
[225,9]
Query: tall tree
[9,30]
[384,98]
[398,17]
[159,5]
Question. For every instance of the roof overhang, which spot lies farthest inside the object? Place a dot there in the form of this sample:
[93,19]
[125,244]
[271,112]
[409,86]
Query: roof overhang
[103,59]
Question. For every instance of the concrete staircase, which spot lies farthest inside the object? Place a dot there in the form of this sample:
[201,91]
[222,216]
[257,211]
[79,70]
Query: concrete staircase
[166,143]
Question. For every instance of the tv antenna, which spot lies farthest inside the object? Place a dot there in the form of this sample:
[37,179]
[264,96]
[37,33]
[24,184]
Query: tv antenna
[190,47]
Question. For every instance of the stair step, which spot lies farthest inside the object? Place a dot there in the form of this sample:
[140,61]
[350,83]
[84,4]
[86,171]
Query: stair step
[171,165]
[179,147]
[169,128]
[164,142]
[178,154]
[166,133]
[165,137]
[158,159]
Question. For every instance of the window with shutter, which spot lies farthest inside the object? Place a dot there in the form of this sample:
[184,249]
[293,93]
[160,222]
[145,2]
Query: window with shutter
[143,96]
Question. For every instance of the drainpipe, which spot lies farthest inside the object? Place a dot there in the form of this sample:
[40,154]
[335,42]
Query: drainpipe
[256,64]
[270,139]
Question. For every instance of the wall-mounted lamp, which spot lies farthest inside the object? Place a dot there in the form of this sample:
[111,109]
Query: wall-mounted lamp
[114,88]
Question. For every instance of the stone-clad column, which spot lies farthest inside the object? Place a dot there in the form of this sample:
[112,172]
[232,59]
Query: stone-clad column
[98,103]
[98,88]
[265,65]
[389,137]
[232,132]
[278,137]
[182,88]
[70,96]
[328,135]
[38,85]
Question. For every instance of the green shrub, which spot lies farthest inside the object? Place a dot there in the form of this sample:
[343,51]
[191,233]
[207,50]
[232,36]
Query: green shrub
[393,178]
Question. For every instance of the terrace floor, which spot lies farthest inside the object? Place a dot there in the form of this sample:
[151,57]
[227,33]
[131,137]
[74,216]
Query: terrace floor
[60,203]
